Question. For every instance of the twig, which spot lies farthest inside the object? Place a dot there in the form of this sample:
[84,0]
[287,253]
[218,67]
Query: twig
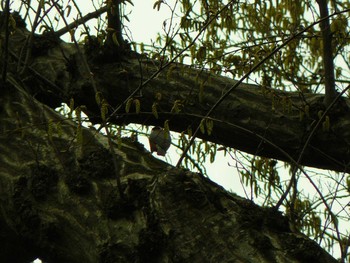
[80,21]
[27,47]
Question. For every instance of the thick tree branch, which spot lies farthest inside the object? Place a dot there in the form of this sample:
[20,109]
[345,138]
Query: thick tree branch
[247,120]
[59,201]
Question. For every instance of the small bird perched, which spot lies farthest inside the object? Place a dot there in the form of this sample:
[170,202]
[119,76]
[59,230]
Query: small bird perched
[159,140]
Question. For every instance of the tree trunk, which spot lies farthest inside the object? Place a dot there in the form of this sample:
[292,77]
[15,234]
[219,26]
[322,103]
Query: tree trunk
[59,201]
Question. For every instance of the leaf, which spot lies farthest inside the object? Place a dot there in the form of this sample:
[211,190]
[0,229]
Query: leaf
[137,106]
[202,126]
[209,125]
[69,9]
[158,96]
[154,110]
[166,128]
[177,106]
[212,156]
[129,1]
[170,71]
[43,28]
[128,105]
[326,124]
[98,97]
[104,109]
[115,39]
[201,54]
[110,29]
[157,4]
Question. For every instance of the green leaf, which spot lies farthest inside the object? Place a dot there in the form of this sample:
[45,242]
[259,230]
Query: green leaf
[115,39]
[157,4]
[137,106]
[209,124]
[202,126]
[128,105]
[154,110]
[201,54]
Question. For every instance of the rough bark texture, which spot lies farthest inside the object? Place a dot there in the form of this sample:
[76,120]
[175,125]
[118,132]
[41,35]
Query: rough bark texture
[59,202]
[58,194]
[253,119]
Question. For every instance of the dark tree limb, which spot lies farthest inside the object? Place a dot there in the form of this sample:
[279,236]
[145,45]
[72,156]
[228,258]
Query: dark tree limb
[247,120]
[59,201]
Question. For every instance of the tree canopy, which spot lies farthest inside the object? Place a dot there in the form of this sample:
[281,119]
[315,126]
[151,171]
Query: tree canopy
[265,82]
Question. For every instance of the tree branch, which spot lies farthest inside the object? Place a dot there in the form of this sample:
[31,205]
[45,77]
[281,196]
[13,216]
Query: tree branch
[327,53]
[80,21]
[279,117]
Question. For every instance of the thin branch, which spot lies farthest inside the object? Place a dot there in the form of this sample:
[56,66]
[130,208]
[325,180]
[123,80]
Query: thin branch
[27,47]
[80,21]
[81,15]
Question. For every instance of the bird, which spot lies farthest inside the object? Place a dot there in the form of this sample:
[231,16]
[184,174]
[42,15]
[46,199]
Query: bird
[159,140]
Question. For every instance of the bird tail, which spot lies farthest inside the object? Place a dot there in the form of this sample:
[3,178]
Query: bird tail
[160,151]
